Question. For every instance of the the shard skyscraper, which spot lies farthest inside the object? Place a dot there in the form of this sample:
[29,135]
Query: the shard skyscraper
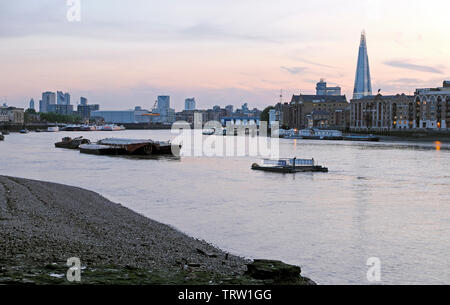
[363,84]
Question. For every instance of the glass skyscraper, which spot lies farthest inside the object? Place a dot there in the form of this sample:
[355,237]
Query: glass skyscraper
[363,85]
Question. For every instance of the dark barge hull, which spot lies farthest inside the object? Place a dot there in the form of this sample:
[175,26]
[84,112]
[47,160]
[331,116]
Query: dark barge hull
[102,150]
[290,170]
[69,143]
[128,147]
[362,139]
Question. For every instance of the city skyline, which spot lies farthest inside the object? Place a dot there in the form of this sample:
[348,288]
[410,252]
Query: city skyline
[121,56]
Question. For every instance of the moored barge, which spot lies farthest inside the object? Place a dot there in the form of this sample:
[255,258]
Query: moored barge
[117,146]
[68,142]
[289,166]
[362,138]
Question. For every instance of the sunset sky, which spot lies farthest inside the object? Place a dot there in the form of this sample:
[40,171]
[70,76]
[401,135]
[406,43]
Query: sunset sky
[125,53]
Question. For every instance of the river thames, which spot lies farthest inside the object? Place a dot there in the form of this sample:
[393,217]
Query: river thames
[389,200]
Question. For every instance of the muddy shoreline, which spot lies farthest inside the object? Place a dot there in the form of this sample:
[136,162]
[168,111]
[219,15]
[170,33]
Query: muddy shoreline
[43,224]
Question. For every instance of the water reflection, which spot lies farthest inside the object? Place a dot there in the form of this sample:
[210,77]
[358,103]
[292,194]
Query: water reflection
[388,199]
[438,145]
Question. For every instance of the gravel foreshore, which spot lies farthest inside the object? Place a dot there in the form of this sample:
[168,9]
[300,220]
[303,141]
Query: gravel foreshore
[43,224]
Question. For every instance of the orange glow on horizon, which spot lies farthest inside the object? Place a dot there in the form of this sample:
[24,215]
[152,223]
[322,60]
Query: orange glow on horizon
[438,145]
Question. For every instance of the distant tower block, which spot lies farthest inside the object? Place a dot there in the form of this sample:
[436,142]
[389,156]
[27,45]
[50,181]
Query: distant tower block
[32,104]
[363,84]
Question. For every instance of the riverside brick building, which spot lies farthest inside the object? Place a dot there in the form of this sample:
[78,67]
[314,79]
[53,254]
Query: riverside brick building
[432,107]
[429,108]
[382,113]
[315,111]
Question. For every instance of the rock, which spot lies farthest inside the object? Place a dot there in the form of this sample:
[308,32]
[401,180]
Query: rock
[308,281]
[273,270]
[51,266]
[208,254]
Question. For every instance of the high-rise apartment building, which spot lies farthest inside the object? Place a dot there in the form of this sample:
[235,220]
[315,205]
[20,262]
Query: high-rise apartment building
[62,98]
[48,98]
[189,104]
[323,89]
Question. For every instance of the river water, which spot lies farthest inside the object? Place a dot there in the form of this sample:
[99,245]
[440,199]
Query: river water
[389,200]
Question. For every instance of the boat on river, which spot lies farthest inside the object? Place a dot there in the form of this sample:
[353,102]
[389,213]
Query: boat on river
[289,166]
[112,127]
[363,138]
[2,137]
[314,134]
[53,129]
[118,146]
[69,143]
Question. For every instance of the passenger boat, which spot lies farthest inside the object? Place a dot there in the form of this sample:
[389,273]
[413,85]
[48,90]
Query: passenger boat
[87,128]
[112,127]
[314,134]
[289,166]
[364,138]
[53,129]
[70,143]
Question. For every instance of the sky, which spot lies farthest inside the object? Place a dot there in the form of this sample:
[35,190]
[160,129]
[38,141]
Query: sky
[123,53]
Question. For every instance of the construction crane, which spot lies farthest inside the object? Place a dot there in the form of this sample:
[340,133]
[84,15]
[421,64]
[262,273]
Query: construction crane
[153,109]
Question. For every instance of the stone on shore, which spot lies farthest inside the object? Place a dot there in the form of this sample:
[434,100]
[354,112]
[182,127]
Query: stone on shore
[276,272]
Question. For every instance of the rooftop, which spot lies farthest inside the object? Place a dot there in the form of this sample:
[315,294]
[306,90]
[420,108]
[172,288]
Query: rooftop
[319,98]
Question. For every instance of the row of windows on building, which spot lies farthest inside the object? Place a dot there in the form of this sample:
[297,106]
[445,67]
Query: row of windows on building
[427,108]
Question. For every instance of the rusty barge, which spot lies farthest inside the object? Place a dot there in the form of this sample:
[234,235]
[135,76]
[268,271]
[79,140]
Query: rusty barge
[118,146]
[69,143]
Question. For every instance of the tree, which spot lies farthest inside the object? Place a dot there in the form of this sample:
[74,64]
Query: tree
[60,118]
[265,114]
